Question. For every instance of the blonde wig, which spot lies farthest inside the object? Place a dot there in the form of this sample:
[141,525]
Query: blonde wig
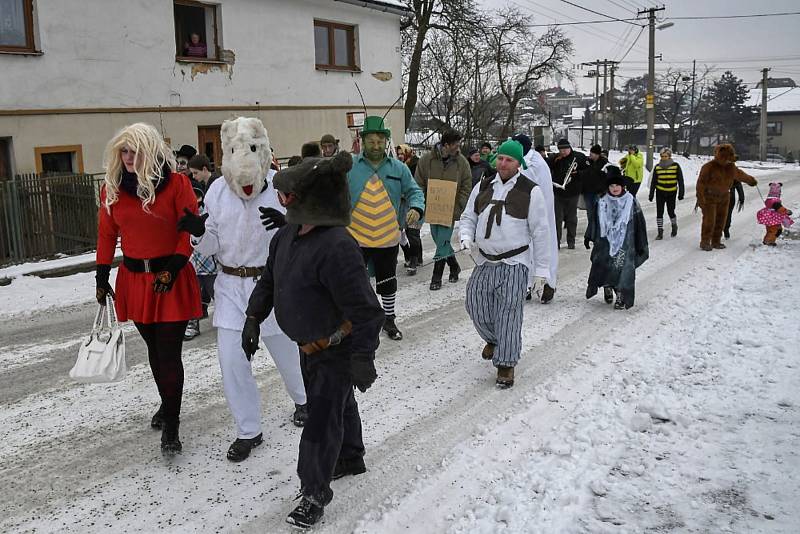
[152,153]
[667,151]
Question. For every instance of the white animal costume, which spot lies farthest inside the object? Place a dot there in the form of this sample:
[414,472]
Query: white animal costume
[539,172]
[235,235]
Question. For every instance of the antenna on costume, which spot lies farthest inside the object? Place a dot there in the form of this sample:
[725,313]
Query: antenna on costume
[362,99]
[393,104]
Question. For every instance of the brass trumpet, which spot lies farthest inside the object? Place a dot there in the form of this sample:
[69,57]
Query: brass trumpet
[568,177]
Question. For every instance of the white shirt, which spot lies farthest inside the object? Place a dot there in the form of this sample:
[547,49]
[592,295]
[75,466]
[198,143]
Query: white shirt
[539,171]
[512,233]
[234,234]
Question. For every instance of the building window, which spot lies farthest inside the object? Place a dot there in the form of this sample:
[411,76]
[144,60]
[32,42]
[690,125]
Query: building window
[59,159]
[334,46]
[197,35]
[775,128]
[16,26]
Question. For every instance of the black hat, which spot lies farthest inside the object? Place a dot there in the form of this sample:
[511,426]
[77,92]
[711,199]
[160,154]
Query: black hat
[319,185]
[525,141]
[487,145]
[614,176]
[472,151]
[310,150]
[563,143]
[596,149]
[187,151]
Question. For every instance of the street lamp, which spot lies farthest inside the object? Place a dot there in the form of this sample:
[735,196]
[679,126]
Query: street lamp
[665,25]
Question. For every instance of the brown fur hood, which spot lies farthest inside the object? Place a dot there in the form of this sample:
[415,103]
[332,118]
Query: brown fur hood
[724,154]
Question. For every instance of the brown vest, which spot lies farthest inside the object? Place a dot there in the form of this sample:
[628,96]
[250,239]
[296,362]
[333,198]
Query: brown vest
[516,203]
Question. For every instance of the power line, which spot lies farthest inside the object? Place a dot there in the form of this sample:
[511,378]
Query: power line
[598,13]
[737,16]
[621,6]
[641,30]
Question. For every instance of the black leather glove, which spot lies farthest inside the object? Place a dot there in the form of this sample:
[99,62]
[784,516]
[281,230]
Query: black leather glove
[586,243]
[271,218]
[166,278]
[194,224]
[362,370]
[103,287]
[250,334]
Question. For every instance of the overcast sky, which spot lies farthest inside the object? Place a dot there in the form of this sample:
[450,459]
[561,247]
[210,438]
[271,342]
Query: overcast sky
[744,46]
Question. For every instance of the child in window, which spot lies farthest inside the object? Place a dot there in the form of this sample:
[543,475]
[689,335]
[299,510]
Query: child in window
[195,47]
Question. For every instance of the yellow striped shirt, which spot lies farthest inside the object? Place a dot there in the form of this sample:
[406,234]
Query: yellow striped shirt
[666,178]
[373,220]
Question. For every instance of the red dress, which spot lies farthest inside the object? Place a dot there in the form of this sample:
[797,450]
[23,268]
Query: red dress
[145,236]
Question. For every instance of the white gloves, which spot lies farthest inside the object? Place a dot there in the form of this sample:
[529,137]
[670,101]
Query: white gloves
[538,285]
[466,244]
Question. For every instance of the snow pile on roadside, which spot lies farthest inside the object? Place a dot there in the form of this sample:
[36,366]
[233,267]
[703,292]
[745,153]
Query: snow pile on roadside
[687,423]
[30,294]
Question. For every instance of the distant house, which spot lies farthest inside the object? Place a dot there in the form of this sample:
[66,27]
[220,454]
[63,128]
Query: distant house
[783,119]
[73,76]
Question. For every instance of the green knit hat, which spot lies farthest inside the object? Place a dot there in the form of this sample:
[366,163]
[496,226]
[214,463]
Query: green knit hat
[512,149]
[375,124]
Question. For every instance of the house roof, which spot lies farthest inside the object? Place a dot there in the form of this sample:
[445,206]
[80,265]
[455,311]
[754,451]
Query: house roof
[779,99]
[396,7]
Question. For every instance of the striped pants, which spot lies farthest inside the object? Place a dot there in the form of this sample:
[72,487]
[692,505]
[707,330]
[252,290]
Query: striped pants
[495,299]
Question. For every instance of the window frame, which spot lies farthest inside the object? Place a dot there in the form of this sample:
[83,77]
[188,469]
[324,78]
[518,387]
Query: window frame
[217,45]
[352,40]
[30,37]
[77,150]
[777,128]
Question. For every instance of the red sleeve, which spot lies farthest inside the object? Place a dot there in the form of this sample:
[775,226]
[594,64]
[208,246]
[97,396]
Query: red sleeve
[184,198]
[107,232]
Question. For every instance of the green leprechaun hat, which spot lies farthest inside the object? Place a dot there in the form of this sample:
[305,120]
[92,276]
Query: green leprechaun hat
[375,124]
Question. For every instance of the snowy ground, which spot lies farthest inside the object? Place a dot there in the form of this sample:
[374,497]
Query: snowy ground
[679,415]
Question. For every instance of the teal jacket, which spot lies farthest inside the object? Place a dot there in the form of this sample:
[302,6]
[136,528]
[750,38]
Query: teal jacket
[397,180]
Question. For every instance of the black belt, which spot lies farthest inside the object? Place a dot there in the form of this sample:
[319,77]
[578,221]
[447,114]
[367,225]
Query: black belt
[504,255]
[153,265]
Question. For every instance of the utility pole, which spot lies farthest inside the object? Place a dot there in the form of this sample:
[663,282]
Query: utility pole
[611,111]
[596,99]
[691,107]
[650,102]
[762,136]
[605,102]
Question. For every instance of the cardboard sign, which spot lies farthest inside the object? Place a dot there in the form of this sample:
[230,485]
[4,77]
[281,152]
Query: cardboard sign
[440,202]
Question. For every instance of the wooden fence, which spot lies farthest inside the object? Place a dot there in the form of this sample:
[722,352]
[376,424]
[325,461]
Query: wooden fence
[44,215]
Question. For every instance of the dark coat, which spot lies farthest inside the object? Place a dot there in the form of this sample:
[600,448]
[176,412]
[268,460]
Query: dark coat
[558,170]
[594,178]
[479,170]
[609,271]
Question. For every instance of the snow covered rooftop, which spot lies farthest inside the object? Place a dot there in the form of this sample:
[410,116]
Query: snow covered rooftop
[392,6]
[779,99]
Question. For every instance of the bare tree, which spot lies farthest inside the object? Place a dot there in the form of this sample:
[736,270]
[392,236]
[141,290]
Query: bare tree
[522,59]
[674,104]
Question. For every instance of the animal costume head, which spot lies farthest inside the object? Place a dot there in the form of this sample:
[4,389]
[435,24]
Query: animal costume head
[775,189]
[316,191]
[724,154]
[246,155]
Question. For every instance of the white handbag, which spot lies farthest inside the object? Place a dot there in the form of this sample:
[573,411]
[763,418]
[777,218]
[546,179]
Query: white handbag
[101,357]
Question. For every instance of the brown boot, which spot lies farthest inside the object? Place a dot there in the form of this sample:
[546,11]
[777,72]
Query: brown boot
[488,352]
[705,246]
[505,377]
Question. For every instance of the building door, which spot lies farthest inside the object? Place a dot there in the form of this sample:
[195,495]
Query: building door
[5,159]
[210,144]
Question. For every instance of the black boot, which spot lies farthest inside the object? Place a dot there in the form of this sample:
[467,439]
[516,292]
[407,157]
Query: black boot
[391,329]
[300,414]
[240,449]
[157,421]
[349,466]
[411,267]
[547,294]
[438,271]
[674,231]
[660,235]
[619,304]
[170,442]
[455,269]
[311,509]
[608,295]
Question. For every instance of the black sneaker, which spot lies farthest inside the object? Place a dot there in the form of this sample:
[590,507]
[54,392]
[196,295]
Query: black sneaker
[240,449]
[619,304]
[391,329]
[300,415]
[170,442]
[157,421]
[528,294]
[349,466]
[310,510]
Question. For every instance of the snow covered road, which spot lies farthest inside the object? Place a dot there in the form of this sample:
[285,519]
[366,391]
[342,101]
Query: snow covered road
[677,415]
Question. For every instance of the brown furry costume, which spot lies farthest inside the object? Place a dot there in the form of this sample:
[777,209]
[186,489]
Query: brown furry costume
[713,187]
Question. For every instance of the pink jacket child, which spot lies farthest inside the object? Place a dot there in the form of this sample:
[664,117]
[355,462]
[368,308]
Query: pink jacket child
[775,189]
[774,216]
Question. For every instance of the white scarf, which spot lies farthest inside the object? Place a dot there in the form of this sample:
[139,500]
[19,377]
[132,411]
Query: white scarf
[613,215]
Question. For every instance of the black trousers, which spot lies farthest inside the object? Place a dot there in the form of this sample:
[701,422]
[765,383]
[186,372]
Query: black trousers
[414,248]
[633,187]
[206,282]
[384,263]
[333,429]
[667,199]
[164,344]
[566,209]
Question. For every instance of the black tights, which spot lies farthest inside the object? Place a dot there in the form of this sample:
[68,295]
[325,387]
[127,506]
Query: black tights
[164,343]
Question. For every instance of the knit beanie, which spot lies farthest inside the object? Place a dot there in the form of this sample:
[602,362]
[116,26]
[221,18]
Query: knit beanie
[563,143]
[614,176]
[596,149]
[512,149]
[525,141]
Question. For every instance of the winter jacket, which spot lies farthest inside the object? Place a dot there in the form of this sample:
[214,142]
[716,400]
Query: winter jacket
[667,179]
[397,181]
[479,170]
[456,169]
[558,170]
[632,166]
[718,176]
[594,178]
